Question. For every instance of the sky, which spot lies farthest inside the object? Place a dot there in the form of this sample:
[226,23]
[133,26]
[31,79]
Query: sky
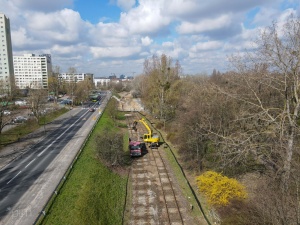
[115,37]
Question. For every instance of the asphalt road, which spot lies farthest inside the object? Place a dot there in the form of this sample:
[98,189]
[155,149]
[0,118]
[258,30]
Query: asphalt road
[18,177]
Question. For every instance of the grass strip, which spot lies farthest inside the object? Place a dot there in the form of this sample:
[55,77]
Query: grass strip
[92,194]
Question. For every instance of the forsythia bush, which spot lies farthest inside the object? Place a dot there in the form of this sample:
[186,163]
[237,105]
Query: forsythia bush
[220,189]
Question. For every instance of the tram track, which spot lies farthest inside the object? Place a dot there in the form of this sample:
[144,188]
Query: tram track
[154,199]
[169,196]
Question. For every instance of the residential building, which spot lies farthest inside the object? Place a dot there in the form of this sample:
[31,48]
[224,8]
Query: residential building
[6,58]
[76,77]
[101,81]
[105,81]
[32,71]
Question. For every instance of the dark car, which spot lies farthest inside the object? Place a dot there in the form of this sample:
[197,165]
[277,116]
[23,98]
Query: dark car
[20,119]
[137,148]
[66,102]
[92,109]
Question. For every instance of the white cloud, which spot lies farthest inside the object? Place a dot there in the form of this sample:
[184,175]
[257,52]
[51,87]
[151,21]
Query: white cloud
[146,41]
[108,34]
[40,5]
[20,37]
[199,35]
[168,44]
[265,16]
[286,14]
[114,52]
[70,50]
[207,46]
[62,26]
[126,4]
[147,18]
[204,25]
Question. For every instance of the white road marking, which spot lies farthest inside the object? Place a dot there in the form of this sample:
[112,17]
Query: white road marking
[41,153]
[13,177]
[30,162]
[47,147]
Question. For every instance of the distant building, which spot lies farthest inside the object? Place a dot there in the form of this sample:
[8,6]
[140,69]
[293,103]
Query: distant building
[101,81]
[6,57]
[112,77]
[76,77]
[32,71]
[104,81]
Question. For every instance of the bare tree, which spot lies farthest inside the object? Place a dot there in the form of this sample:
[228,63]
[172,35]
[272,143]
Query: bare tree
[72,82]
[275,70]
[6,97]
[37,99]
[262,96]
[160,74]
[82,90]
[54,81]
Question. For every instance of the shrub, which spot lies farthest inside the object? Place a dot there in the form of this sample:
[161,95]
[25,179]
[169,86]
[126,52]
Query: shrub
[110,148]
[219,189]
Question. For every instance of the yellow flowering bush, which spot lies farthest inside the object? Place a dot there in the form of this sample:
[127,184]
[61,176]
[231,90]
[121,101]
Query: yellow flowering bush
[219,189]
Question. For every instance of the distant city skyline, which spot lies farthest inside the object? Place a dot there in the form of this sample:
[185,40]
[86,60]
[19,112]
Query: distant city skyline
[116,36]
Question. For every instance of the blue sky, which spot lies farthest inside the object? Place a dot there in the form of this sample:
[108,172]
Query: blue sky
[107,37]
[96,11]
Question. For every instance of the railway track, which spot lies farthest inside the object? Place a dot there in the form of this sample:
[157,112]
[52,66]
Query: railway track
[171,204]
[154,195]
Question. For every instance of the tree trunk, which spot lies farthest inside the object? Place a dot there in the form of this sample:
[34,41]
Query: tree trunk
[288,159]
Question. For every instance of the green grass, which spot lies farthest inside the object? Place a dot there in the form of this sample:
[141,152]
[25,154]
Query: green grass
[92,194]
[51,116]
[15,133]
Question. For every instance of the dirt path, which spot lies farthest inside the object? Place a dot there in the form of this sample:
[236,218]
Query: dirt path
[128,103]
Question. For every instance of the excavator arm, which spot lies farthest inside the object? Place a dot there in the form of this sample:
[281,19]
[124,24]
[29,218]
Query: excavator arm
[143,121]
[149,137]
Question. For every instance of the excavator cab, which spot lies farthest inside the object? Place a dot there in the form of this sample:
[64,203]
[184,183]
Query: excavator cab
[146,136]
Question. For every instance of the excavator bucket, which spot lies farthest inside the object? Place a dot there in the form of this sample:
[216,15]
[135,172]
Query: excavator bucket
[134,126]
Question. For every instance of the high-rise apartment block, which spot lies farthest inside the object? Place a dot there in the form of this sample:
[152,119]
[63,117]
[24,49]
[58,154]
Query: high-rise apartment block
[6,57]
[32,71]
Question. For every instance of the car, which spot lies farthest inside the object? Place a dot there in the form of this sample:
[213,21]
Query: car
[51,99]
[20,103]
[92,109]
[6,112]
[66,102]
[20,119]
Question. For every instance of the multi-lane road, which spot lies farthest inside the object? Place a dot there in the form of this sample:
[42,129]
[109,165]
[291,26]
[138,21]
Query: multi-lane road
[28,181]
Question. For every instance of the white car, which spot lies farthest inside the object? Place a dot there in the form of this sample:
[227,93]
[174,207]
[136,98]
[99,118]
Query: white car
[6,112]
[20,103]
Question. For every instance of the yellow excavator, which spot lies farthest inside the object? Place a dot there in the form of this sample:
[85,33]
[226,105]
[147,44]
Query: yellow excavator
[149,137]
